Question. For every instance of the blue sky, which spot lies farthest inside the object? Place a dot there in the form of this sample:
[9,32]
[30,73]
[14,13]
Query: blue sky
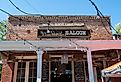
[64,7]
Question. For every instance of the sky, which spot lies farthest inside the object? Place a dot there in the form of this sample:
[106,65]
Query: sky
[63,7]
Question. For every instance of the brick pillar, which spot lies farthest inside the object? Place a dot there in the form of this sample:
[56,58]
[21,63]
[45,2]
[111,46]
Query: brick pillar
[7,72]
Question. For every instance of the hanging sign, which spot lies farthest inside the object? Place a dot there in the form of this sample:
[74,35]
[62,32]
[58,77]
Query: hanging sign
[64,59]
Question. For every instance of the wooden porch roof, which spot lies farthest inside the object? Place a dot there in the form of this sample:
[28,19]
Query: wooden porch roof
[94,45]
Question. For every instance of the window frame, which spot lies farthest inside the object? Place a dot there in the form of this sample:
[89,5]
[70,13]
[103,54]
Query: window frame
[26,71]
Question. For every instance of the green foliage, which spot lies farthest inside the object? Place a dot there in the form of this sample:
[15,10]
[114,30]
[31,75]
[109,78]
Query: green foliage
[3,30]
[118,28]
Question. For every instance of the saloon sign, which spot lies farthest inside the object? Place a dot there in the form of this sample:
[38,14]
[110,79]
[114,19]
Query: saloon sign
[43,33]
[75,33]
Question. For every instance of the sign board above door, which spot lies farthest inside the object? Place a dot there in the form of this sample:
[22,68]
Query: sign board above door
[64,31]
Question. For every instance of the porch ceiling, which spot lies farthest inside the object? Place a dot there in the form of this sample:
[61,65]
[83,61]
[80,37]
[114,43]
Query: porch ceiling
[50,45]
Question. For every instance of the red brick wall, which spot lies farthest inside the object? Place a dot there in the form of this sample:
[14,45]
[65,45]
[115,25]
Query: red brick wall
[7,72]
[28,30]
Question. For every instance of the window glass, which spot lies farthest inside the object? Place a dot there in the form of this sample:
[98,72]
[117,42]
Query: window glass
[32,71]
[21,72]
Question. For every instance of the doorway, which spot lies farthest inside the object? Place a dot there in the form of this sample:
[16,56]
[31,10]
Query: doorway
[60,72]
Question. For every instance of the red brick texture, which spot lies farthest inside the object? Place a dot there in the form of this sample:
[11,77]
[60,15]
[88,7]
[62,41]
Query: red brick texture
[28,25]
[7,72]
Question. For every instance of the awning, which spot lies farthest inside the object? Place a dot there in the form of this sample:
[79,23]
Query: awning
[112,71]
[94,45]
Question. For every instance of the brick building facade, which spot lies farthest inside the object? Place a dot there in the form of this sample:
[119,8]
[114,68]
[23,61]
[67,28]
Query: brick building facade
[27,27]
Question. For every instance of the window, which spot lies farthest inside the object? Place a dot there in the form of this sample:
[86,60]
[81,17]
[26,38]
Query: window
[21,72]
[26,71]
[32,71]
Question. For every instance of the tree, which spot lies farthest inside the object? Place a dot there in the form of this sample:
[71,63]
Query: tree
[3,30]
[118,28]
[2,37]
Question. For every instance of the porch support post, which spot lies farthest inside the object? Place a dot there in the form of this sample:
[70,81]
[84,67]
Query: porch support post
[90,67]
[39,65]
[95,74]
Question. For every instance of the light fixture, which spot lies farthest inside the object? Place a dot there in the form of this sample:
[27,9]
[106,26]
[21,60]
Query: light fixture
[30,47]
[76,47]
[97,17]
[24,42]
[84,49]
[48,31]
[64,59]
[70,44]
[81,49]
